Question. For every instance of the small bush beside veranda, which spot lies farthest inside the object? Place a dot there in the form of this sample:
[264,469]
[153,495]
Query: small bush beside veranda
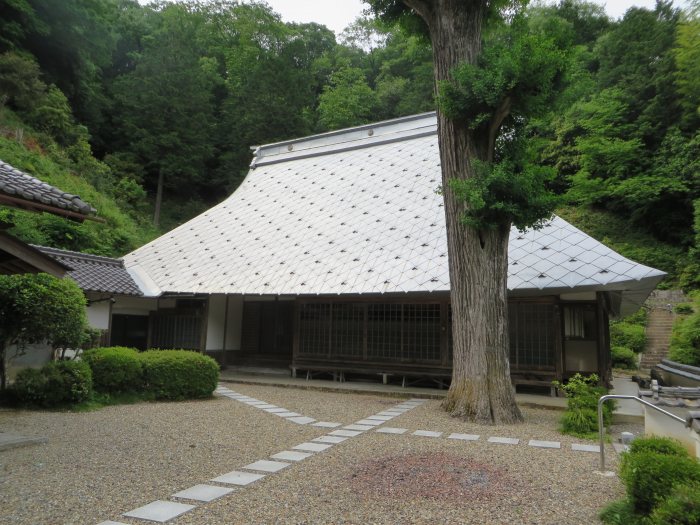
[581,416]
[179,374]
[115,369]
[55,384]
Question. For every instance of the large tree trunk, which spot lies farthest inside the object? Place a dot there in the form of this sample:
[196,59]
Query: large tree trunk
[481,389]
[3,368]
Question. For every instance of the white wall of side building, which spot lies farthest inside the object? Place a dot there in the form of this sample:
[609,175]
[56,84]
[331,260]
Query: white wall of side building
[98,314]
[224,322]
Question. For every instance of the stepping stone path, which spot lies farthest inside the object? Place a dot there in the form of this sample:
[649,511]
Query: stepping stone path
[160,511]
[203,492]
[163,511]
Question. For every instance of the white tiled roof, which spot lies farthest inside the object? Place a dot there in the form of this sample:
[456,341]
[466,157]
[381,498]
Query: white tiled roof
[358,212]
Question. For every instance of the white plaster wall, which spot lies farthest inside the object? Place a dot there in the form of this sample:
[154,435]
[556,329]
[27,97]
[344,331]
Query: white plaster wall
[98,315]
[134,305]
[234,324]
[216,318]
[35,356]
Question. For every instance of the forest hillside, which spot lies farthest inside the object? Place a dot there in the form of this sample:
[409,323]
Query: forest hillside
[121,103]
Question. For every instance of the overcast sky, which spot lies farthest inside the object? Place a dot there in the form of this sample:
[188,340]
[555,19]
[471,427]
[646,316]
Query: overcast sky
[336,15]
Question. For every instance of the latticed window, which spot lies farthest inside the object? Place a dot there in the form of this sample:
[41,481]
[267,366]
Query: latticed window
[532,331]
[384,331]
[347,329]
[314,329]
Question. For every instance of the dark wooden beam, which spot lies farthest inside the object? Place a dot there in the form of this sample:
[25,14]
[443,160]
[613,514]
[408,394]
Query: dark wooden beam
[25,204]
[26,259]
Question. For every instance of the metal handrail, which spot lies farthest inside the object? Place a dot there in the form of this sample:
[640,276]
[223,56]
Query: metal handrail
[601,429]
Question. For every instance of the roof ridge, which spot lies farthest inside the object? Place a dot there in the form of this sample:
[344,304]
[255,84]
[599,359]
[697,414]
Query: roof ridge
[80,255]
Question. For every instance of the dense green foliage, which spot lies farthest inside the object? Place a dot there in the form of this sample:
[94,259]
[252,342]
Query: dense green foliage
[662,482]
[114,369]
[179,374]
[100,97]
[623,358]
[58,383]
[628,335]
[39,308]
[685,338]
[581,415]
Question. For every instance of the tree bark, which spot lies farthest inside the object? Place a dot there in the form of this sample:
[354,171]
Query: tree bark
[3,362]
[159,199]
[481,389]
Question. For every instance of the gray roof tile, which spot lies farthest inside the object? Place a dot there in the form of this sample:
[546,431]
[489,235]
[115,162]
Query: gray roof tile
[95,273]
[349,212]
[18,184]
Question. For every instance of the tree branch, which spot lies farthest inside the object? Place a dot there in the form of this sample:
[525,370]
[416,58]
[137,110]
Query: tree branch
[499,116]
[422,7]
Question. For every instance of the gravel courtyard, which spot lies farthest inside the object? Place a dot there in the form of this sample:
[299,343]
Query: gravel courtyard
[98,465]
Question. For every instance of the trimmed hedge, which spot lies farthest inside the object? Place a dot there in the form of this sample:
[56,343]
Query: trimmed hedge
[115,369]
[55,384]
[651,470]
[682,507]
[179,374]
[623,357]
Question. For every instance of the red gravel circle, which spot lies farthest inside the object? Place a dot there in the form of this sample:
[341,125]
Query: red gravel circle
[437,477]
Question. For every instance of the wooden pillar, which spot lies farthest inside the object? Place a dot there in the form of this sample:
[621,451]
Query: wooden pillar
[603,339]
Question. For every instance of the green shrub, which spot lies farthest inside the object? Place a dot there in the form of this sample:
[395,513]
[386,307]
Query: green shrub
[658,445]
[623,357]
[179,374]
[682,507]
[620,513]
[57,383]
[685,340]
[683,309]
[639,317]
[650,477]
[581,416]
[115,369]
[628,335]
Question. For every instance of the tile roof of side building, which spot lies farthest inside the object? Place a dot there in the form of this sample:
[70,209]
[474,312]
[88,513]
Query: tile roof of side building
[20,189]
[357,211]
[95,273]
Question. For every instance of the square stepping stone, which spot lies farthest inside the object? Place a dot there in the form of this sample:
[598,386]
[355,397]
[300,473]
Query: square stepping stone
[257,403]
[329,439]
[312,447]
[585,448]
[276,410]
[265,465]
[301,420]
[504,441]
[160,511]
[109,522]
[463,437]
[237,477]
[544,444]
[369,422]
[325,424]
[345,433]
[404,407]
[267,405]
[292,455]
[286,414]
[392,430]
[203,492]
[361,428]
[392,413]
[427,433]
[380,418]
